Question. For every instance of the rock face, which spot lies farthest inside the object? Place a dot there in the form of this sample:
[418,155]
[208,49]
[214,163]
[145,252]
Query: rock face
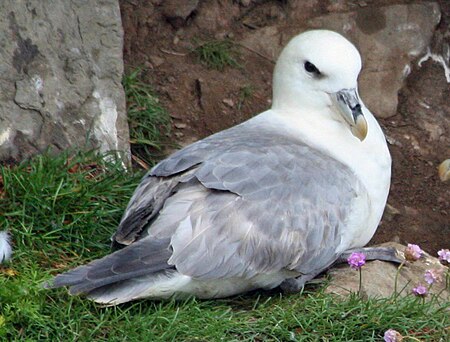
[60,77]
[389,38]
[177,11]
[378,277]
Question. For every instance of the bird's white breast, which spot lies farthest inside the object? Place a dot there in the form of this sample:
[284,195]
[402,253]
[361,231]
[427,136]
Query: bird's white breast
[369,160]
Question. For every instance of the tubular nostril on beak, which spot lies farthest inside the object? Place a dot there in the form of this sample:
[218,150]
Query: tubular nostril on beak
[357,107]
[349,105]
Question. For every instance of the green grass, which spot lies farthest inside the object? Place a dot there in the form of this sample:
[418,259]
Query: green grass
[245,94]
[217,54]
[148,121]
[61,212]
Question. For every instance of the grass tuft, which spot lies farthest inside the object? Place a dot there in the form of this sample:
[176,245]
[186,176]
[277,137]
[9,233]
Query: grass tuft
[245,94]
[52,204]
[217,54]
[148,121]
[61,212]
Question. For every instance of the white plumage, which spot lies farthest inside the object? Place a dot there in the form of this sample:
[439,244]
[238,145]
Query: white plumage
[5,247]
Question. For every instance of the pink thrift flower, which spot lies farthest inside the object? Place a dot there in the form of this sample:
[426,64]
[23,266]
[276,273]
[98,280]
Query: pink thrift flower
[433,275]
[444,255]
[356,260]
[413,252]
[420,291]
[392,335]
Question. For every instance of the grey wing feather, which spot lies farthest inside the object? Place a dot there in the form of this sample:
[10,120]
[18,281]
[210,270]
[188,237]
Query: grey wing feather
[160,183]
[141,258]
[146,202]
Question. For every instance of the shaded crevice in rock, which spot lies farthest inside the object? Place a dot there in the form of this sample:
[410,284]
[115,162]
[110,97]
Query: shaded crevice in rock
[26,51]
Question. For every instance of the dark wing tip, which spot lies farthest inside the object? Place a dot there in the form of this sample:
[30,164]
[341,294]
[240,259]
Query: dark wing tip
[141,258]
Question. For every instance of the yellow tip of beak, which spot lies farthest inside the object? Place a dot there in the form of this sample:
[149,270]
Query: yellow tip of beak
[360,129]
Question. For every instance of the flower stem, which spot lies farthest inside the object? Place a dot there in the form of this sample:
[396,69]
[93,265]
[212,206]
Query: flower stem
[360,282]
[396,278]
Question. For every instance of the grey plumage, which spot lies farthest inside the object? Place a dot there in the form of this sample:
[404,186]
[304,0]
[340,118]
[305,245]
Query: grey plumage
[240,203]
[273,189]
[140,259]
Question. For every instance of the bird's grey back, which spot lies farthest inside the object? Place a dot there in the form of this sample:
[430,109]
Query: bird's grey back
[256,201]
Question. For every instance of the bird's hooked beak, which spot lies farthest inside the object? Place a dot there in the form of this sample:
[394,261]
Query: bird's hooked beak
[349,105]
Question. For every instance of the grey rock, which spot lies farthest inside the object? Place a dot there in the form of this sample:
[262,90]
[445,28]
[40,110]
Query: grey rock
[245,3]
[390,39]
[156,61]
[61,68]
[177,11]
[228,102]
[439,51]
[379,277]
[180,125]
[444,170]
[216,15]
[267,41]
[426,95]
[390,212]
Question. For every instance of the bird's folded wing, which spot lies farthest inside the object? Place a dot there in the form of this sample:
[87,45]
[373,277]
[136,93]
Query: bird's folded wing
[252,202]
[145,204]
[161,182]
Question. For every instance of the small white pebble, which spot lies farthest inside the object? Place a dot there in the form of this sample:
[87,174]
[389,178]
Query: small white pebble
[5,247]
[444,170]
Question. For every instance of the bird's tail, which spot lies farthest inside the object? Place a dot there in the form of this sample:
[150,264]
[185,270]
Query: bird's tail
[121,276]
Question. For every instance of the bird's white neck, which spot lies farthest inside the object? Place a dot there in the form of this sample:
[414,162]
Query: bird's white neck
[285,100]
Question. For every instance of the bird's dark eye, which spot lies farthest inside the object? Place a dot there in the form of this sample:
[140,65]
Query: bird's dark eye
[309,67]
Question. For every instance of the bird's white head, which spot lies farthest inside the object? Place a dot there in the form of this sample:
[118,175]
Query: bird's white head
[318,69]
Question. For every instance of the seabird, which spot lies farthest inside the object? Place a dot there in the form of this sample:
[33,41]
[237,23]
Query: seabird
[273,201]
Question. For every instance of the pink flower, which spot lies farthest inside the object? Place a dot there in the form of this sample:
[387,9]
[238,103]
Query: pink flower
[413,252]
[444,255]
[420,291]
[356,260]
[392,335]
[433,275]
